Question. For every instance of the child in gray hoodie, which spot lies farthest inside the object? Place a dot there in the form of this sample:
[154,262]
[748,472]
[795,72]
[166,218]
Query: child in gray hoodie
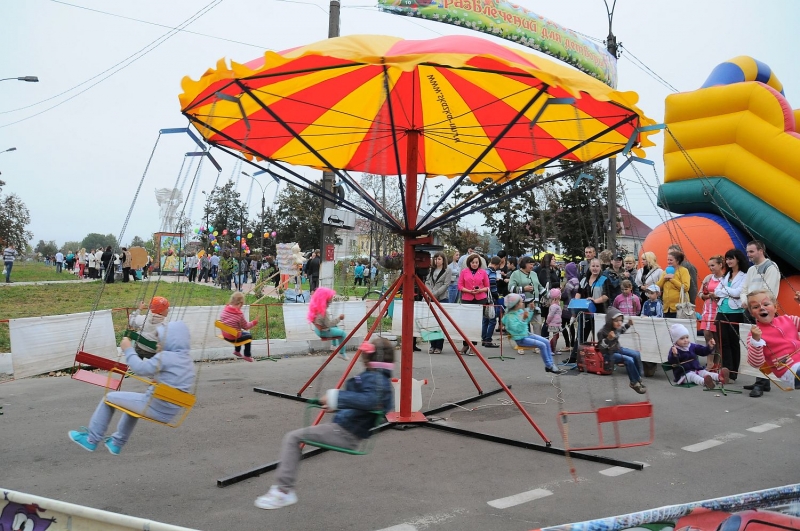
[172,365]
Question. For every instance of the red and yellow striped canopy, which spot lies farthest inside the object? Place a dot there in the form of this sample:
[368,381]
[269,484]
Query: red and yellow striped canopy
[349,102]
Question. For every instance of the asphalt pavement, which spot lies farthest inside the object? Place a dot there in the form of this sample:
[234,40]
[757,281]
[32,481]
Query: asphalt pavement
[706,445]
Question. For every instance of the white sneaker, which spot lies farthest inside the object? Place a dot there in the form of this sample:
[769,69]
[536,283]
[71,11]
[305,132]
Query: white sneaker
[275,499]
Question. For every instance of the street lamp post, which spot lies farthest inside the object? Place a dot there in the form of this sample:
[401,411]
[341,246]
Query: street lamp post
[263,203]
[29,79]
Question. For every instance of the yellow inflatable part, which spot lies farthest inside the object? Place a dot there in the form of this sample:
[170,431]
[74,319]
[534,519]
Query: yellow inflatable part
[744,132]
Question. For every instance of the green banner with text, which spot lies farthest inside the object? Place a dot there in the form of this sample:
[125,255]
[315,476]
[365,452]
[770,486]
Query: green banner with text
[517,24]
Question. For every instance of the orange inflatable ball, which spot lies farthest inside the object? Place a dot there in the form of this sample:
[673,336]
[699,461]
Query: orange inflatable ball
[700,236]
[786,302]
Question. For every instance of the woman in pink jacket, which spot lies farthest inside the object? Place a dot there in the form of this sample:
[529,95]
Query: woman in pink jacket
[473,284]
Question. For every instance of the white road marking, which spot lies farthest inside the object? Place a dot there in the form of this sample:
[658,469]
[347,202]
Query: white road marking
[762,428]
[705,445]
[516,499]
[401,527]
[619,470]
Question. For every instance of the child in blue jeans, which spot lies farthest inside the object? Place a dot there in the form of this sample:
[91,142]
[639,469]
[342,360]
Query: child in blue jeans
[369,391]
[608,344]
[516,322]
[172,365]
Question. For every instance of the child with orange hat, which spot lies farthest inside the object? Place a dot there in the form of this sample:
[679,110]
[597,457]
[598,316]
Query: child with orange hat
[146,323]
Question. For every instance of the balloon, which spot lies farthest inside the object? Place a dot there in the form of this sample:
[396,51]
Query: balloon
[216,247]
[224,232]
[210,228]
[202,228]
[196,231]
[266,234]
[238,238]
[216,233]
[274,234]
[249,234]
[238,232]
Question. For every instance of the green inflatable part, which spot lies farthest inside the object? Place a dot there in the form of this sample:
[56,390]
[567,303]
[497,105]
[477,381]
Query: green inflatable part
[717,195]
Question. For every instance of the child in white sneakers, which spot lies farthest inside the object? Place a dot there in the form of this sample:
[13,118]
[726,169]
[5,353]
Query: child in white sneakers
[684,353]
[369,391]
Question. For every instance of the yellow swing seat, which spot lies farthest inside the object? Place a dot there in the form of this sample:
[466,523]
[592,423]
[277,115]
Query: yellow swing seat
[161,391]
[232,331]
[766,369]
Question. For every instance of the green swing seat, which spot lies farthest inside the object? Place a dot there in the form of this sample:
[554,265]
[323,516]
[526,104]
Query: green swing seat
[363,449]
[134,336]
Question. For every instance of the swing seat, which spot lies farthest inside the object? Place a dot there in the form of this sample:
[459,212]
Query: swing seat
[428,333]
[613,415]
[521,348]
[161,391]
[364,448]
[109,382]
[231,331]
[669,367]
[767,370]
[134,336]
[319,332]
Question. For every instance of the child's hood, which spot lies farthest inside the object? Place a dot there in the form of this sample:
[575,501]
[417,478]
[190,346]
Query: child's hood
[611,314]
[174,336]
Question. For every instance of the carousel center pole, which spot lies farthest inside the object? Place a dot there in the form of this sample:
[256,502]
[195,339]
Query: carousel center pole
[407,344]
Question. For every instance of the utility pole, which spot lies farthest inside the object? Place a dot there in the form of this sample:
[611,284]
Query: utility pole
[611,227]
[328,233]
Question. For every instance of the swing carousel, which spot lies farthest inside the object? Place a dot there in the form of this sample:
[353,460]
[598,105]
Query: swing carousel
[455,106]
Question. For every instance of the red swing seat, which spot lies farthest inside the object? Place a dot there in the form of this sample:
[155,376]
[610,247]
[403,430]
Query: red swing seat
[615,415]
[111,381]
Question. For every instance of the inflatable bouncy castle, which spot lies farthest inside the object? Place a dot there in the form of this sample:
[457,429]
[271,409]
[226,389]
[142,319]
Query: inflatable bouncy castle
[732,149]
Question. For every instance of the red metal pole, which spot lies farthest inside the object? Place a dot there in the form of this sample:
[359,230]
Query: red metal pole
[452,343]
[407,353]
[495,376]
[389,296]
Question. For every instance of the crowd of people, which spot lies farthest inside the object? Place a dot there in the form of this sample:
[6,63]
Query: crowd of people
[531,302]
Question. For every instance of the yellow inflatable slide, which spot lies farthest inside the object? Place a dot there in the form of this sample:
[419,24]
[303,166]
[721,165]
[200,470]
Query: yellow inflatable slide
[733,148]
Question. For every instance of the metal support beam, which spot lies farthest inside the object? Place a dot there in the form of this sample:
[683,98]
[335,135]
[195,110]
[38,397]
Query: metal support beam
[532,446]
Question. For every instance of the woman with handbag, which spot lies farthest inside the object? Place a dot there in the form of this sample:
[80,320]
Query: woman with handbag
[674,285]
[473,284]
[729,310]
[438,281]
[595,288]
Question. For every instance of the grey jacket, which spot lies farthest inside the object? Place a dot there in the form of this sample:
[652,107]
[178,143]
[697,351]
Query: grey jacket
[439,283]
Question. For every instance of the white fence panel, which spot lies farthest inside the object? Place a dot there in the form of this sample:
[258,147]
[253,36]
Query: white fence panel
[469,318]
[49,343]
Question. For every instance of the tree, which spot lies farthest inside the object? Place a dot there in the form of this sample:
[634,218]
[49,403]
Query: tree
[95,240]
[225,211]
[71,246]
[137,242]
[581,211]
[461,238]
[46,249]
[298,218]
[14,217]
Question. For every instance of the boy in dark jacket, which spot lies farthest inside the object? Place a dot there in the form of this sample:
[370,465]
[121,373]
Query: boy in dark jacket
[608,343]
[684,353]
[369,391]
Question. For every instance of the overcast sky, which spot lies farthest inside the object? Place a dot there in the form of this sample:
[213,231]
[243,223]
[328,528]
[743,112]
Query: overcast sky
[78,164]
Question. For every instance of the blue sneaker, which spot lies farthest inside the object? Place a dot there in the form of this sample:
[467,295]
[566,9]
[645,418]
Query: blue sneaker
[81,438]
[112,448]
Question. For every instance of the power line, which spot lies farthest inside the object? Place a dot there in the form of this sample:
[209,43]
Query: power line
[163,25]
[647,69]
[125,63]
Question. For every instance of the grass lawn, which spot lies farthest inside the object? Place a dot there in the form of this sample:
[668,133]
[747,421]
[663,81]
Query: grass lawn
[64,298]
[58,299]
[37,271]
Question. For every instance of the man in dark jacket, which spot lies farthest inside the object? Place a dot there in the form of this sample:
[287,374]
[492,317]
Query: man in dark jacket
[312,271]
